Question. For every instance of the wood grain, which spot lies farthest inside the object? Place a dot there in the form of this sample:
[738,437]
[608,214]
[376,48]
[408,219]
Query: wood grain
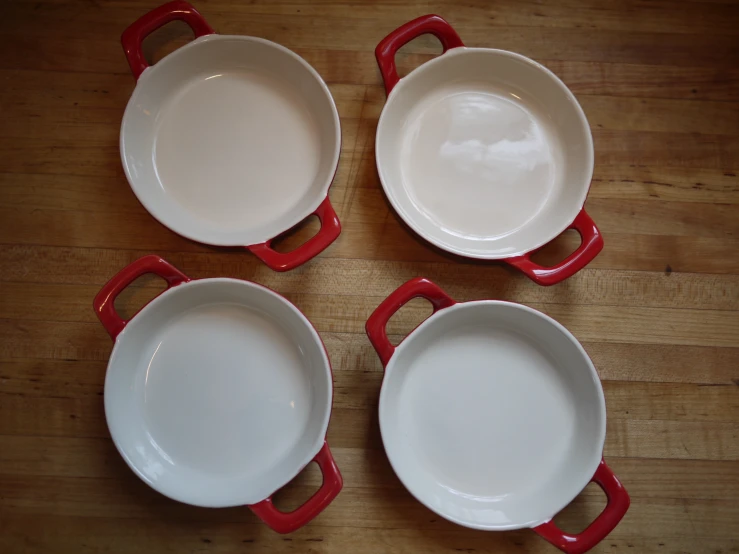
[657,310]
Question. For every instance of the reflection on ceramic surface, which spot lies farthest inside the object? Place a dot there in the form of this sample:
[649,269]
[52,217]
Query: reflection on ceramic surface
[152,467]
[484,153]
[236,146]
[478,163]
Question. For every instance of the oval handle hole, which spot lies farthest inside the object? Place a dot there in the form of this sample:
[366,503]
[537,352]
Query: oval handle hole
[139,293]
[298,235]
[582,511]
[296,492]
[557,250]
[417,52]
[407,318]
[166,40]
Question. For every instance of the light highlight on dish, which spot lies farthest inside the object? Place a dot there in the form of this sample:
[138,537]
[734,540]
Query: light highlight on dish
[478,162]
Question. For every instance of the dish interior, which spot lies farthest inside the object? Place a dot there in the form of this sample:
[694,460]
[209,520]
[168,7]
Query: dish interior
[230,140]
[484,153]
[218,395]
[492,415]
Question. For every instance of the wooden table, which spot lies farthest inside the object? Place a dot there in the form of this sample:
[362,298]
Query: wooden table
[658,309]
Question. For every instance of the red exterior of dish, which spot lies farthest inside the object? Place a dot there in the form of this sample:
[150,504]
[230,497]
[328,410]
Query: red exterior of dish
[592,240]
[179,10]
[617,497]
[282,522]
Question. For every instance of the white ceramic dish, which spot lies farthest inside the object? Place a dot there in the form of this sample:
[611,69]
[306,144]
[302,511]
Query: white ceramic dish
[218,393]
[493,416]
[230,140]
[485,153]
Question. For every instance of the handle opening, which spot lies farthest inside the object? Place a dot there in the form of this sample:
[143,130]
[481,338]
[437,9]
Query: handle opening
[617,504]
[306,484]
[407,318]
[104,301]
[287,522]
[591,244]
[133,37]
[297,236]
[284,261]
[140,292]
[417,52]
[559,249]
[581,512]
[389,46]
[165,40]
[376,325]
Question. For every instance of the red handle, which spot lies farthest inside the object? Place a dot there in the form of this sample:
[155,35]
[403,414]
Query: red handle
[618,503]
[389,46]
[328,233]
[377,322]
[592,244]
[104,303]
[288,522]
[134,36]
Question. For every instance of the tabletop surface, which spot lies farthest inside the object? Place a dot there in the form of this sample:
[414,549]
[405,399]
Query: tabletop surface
[657,310]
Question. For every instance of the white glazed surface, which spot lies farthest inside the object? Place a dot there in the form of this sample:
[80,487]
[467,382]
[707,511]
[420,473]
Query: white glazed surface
[492,415]
[230,140]
[484,153]
[218,393]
